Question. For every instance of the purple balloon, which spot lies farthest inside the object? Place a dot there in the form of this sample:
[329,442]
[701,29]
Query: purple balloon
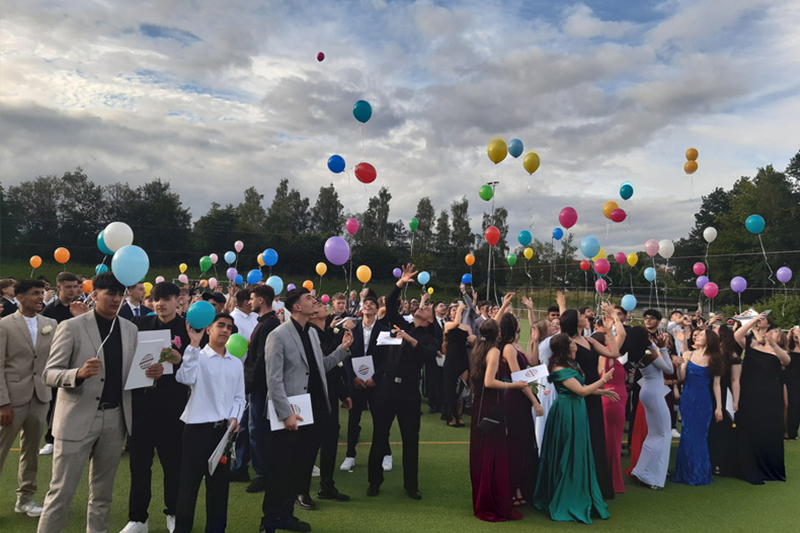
[738,284]
[701,281]
[784,274]
[290,287]
[231,273]
[397,272]
[337,250]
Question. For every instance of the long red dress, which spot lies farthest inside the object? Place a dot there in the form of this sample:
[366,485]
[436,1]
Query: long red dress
[614,417]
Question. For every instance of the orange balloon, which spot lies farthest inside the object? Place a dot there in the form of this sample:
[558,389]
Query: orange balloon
[87,286]
[36,261]
[690,167]
[691,154]
[61,255]
[470,259]
[203,283]
[308,284]
[608,207]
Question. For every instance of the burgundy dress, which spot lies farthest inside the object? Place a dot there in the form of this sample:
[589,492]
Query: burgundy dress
[488,458]
[523,458]
[614,417]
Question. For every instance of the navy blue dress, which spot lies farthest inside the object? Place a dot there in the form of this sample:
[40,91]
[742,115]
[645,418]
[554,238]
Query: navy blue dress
[693,464]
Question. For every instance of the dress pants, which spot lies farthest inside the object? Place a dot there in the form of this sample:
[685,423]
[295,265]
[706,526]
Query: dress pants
[242,443]
[433,384]
[102,448]
[29,418]
[363,399]
[258,429]
[404,402]
[199,442]
[328,427]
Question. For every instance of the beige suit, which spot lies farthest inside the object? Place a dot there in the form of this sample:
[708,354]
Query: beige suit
[82,431]
[21,386]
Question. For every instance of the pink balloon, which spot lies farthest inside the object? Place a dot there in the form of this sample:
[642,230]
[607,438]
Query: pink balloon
[160,279]
[183,278]
[711,290]
[651,247]
[238,245]
[325,298]
[212,282]
[602,266]
[568,217]
[352,226]
[214,258]
[621,258]
[699,269]
[601,285]
[618,215]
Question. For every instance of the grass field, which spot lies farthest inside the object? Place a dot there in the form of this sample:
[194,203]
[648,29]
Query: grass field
[727,505]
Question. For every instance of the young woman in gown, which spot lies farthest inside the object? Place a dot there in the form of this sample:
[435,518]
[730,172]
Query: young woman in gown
[547,395]
[791,387]
[456,365]
[722,434]
[613,412]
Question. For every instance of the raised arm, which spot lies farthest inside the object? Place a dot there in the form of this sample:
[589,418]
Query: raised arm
[585,390]
[391,301]
[740,335]
[533,346]
[528,303]
[561,300]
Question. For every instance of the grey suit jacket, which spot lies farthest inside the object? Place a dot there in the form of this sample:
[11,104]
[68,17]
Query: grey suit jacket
[287,367]
[22,366]
[76,341]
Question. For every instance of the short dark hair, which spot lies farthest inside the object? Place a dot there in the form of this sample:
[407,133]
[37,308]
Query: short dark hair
[6,282]
[553,309]
[225,316]
[165,290]
[582,310]
[67,276]
[242,296]
[24,285]
[264,291]
[373,299]
[621,309]
[674,312]
[104,282]
[135,284]
[216,296]
[293,296]
[653,313]
[43,278]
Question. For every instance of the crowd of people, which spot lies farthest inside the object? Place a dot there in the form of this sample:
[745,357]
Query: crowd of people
[555,442]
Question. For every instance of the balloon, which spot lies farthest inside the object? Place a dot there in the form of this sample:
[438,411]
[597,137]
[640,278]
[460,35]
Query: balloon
[469,259]
[322,268]
[148,287]
[531,162]
[690,167]
[290,287]
[320,57]
[308,285]
[254,276]
[101,245]
[270,257]
[528,253]
[709,234]
[100,269]
[466,279]
[568,217]
[585,265]
[602,266]
[486,192]
[691,154]
[755,224]
[362,111]
[701,281]
[237,345]
[238,280]
[413,224]
[183,278]
[212,283]
[397,272]
[61,255]
[364,274]
[651,247]
[699,269]
[515,148]
[626,190]
[784,274]
[231,273]
[183,267]
[336,164]
[116,235]
[621,258]
[666,248]
[160,279]
[325,298]
[608,207]
[430,290]
[633,259]
[277,284]
[590,246]
[558,233]
[650,274]
[492,235]
[366,173]
[35,261]
[230,257]
[600,255]
[423,277]
[200,315]
[351,225]
[618,215]
[711,290]
[524,237]
[238,246]
[203,283]
[738,284]
[130,264]
[87,287]
[629,302]
[214,258]
[512,259]
[205,263]
[497,150]
[600,285]
[260,259]
[337,250]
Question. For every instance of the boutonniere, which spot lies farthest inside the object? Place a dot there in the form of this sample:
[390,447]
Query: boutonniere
[335,331]
[47,330]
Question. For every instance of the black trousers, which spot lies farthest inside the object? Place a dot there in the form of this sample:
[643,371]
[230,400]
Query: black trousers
[363,399]
[404,403]
[433,384]
[329,447]
[199,442]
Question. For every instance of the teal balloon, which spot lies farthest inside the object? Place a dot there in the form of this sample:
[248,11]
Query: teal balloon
[100,269]
[755,224]
[362,111]
[515,148]
[101,245]
[276,283]
[130,264]
[650,274]
[626,190]
[200,315]
[423,278]
[524,237]
[254,276]
[590,246]
[629,302]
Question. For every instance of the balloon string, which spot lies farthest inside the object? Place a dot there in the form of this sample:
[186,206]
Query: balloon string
[489,273]
[765,259]
[740,303]
[785,297]
[363,145]
[708,267]
[32,270]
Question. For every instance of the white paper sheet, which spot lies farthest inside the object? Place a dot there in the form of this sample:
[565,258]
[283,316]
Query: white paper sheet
[163,335]
[213,461]
[301,405]
[385,339]
[440,361]
[729,404]
[363,367]
[147,353]
[536,373]
[622,360]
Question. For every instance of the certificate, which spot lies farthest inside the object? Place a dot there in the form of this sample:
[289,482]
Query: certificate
[363,367]
[162,335]
[729,404]
[219,451]
[147,353]
[536,373]
[385,339]
[301,405]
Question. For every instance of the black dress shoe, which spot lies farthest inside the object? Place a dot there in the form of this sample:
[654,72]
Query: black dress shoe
[333,494]
[373,490]
[414,494]
[259,484]
[293,524]
[305,502]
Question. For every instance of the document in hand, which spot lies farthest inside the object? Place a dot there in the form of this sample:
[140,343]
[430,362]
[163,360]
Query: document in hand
[162,335]
[729,404]
[363,367]
[529,375]
[622,360]
[301,405]
[147,353]
[213,461]
[385,339]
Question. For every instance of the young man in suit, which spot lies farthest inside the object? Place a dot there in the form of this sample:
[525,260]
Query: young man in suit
[89,362]
[134,307]
[25,338]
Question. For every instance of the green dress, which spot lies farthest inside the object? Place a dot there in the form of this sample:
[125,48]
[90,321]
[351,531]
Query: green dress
[567,485]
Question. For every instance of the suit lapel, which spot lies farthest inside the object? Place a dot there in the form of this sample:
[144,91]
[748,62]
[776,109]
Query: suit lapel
[127,352]
[94,334]
[296,336]
[19,320]
[373,338]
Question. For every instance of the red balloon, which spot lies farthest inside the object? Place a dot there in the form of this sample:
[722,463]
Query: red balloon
[602,266]
[621,258]
[320,56]
[601,285]
[492,235]
[699,269]
[585,265]
[618,215]
[366,173]
[568,217]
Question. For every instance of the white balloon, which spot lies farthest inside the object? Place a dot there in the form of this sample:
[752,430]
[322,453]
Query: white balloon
[709,234]
[666,249]
[116,235]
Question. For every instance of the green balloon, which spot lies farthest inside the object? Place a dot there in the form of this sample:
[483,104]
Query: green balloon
[486,192]
[512,259]
[205,263]
[413,224]
[237,345]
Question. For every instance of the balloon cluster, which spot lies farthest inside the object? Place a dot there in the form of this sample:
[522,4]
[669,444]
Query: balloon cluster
[690,167]
[365,172]
[498,150]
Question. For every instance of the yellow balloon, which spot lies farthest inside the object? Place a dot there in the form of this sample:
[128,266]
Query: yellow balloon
[528,253]
[430,290]
[690,167]
[600,255]
[364,274]
[183,267]
[308,285]
[608,207]
[322,268]
[497,150]
[147,288]
[691,154]
[531,162]
[260,259]
[633,259]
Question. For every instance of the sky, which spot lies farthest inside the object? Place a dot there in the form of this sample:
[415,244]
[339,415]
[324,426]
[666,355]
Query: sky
[215,97]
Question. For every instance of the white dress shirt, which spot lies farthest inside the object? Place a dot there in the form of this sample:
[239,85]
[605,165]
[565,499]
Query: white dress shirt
[216,383]
[245,323]
[367,334]
[33,327]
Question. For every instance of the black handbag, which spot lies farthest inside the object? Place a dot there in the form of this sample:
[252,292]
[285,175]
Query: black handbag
[494,419]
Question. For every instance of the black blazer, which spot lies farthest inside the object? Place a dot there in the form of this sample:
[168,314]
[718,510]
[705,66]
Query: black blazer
[378,353]
[126,312]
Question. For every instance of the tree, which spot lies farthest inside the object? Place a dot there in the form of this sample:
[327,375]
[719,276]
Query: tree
[289,212]
[252,216]
[327,215]
[424,235]
[375,220]
[500,221]
[216,230]
[442,241]
[34,206]
[793,169]
[165,224]
[462,238]
[9,232]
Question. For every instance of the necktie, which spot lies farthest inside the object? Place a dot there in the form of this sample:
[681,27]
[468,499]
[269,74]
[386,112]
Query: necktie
[135,311]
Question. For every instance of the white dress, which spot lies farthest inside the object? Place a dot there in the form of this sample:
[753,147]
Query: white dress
[546,396]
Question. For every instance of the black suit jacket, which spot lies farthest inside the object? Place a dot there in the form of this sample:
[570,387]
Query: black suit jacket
[126,312]
[9,307]
[378,353]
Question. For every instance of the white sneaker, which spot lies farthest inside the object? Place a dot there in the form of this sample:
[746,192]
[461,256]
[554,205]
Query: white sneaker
[170,523]
[348,464]
[315,471]
[30,508]
[47,449]
[135,527]
[675,434]
[387,463]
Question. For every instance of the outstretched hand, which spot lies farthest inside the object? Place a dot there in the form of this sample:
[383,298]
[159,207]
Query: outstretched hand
[407,275]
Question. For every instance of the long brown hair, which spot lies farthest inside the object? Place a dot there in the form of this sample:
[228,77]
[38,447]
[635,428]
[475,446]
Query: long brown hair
[487,340]
[560,348]
[718,361]
[542,325]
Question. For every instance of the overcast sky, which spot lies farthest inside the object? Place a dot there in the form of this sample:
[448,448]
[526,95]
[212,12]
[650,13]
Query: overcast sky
[218,96]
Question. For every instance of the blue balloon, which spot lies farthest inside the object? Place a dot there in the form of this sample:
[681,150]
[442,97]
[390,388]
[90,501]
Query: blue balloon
[590,246]
[130,264]
[362,111]
[276,283]
[101,245]
[466,279]
[238,279]
[515,148]
[629,302]
[254,276]
[336,164]
[626,190]
[650,274]
[100,269]
[524,237]
[230,257]
[558,233]
[755,224]
[270,257]
[200,315]
[423,277]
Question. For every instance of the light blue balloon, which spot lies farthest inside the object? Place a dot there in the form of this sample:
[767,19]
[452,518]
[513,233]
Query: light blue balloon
[270,257]
[755,224]
[276,283]
[239,279]
[101,245]
[650,274]
[130,264]
[558,233]
[200,315]
[254,276]
[524,237]
[515,148]
[423,277]
[590,246]
[629,302]
[100,269]
[230,257]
